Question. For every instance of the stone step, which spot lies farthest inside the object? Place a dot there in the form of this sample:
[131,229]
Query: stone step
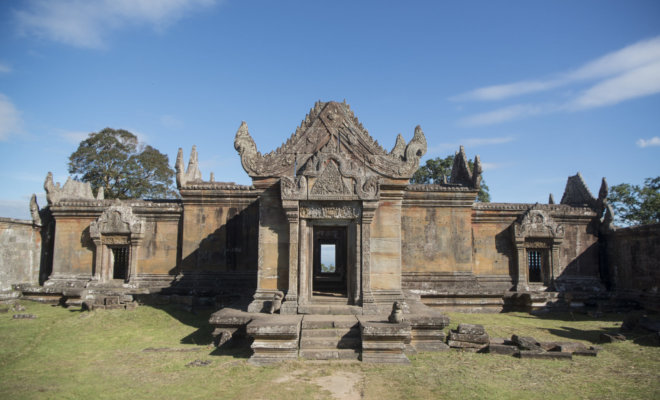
[331,343]
[330,354]
[329,309]
[331,332]
[325,322]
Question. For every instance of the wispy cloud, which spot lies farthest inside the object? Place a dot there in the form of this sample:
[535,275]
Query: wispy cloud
[4,68]
[654,141]
[622,75]
[11,122]
[87,23]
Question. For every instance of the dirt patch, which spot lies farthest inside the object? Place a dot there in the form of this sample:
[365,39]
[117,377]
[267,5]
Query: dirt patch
[342,385]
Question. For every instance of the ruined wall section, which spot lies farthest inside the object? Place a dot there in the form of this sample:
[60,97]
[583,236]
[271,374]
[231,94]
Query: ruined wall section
[385,242]
[633,256]
[436,238]
[74,249]
[20,252]
[219,232]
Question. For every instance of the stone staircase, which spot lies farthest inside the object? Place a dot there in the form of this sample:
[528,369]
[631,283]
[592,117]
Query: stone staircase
[335,337]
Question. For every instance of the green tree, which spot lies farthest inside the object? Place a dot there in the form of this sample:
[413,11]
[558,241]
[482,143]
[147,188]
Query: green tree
[436,168]
[636,205]
[115,161]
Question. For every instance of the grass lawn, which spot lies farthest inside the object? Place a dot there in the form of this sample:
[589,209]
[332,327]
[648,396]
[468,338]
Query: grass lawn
[68,354]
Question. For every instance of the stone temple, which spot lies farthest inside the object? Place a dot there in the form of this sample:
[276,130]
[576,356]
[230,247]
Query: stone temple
[332,226]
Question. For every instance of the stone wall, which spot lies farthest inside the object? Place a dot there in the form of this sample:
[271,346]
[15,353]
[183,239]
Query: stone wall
[633,256]
[20,252]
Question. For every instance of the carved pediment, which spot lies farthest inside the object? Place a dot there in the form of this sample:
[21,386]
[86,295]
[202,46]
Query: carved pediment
[117,219]
[330,182]
[536,223]
[331,128]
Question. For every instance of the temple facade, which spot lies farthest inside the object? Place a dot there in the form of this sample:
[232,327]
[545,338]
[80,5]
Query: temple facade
[330,221]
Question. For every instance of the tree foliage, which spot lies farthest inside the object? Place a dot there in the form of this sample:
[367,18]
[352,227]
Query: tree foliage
[115,161]
[436,168]
[634,204]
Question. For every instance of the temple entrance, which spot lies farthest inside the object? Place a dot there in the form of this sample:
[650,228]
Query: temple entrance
[329,267]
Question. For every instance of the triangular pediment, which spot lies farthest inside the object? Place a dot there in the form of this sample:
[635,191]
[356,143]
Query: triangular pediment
[331,128]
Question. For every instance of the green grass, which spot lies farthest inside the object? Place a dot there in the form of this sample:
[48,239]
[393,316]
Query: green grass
[68,354]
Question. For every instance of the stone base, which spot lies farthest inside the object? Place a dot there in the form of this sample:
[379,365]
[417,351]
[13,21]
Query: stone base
[384,342]
[275,338]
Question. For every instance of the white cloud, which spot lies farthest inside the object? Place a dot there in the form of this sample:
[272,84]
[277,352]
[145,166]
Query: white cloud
[10,118]
[4,68]
[639,82]
[622,75]
[629,58]
[654,141]
[87,23]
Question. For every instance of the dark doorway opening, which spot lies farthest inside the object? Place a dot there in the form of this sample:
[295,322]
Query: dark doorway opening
[120,264]
[329,275]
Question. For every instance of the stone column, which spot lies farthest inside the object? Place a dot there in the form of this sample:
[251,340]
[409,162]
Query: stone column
[303,261]
[368,212]
[98,259]
[554,262]
[521,284]
[290,305]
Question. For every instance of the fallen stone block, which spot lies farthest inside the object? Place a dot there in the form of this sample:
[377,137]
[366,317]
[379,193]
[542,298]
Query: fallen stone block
[469,337]
[502,349]
[586,353]
[611,338]
[549,355]
[457,344]
[526,343]
[471,329]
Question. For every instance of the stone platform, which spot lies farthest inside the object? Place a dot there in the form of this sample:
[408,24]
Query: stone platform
[369,338]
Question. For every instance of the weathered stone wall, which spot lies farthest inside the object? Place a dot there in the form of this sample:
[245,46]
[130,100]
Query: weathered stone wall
[74,249]
[20,252]
[386,243]
[219,237]
[633,256]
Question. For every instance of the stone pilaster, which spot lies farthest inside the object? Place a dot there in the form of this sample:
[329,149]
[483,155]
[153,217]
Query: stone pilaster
[290,305]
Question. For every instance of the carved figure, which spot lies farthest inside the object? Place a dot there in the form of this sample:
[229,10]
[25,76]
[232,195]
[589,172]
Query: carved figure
[396,316]
[276,304]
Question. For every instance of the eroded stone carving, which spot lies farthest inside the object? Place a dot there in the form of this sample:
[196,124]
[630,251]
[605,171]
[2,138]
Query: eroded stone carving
[330,182]
[34,210]
[396,316]
[461,174]
[118,219]
[577,193]
[537,223]
[330,210]
[72,190]
[192,174]
[332,128]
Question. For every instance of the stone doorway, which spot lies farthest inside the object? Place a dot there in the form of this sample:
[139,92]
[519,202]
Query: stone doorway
[329,271]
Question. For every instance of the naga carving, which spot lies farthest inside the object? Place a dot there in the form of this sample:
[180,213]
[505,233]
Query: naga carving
[331,128]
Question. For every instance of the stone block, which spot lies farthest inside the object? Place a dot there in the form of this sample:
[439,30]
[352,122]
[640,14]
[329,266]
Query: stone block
[545,355]
[384,342]
[503,349]
[526,343]
[586,353]
[469,337]
[471,329]
[466,345]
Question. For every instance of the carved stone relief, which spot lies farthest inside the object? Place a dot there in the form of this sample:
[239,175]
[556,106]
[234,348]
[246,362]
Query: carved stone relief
[344,210]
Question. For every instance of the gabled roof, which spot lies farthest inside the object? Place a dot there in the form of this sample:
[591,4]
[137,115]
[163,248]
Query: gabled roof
[331,127]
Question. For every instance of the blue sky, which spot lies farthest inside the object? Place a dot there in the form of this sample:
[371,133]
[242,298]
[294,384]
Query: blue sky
[540,90]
